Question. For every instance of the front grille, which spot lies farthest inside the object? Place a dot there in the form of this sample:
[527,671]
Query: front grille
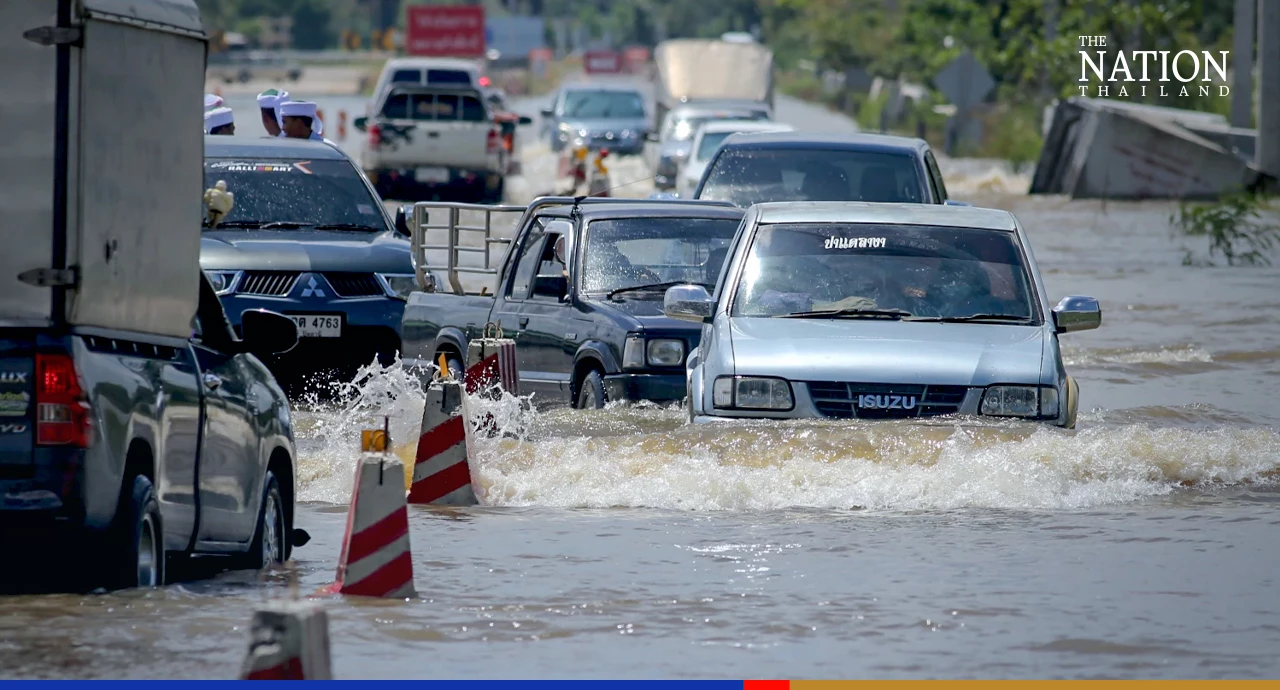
[839,399]
[354,284]
[267,283]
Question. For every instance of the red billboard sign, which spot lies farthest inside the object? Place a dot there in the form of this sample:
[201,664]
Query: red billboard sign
[445,31]
[601,62]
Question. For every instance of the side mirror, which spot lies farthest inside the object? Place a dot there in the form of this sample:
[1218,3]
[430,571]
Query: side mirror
[688,303]
[1077,314]
[360,123]
[267,333]
[402,218]
[556,287]
[526,120]
[547,112]
[651,136]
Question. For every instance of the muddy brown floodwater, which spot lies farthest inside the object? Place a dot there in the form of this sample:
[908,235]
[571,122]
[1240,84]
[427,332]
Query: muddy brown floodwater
[623,543]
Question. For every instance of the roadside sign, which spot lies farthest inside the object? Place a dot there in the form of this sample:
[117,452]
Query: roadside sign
[635,57]
[445,31]
[601,62]
[964,82]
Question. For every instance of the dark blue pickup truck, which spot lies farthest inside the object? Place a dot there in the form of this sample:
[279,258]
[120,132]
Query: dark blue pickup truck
[580,291]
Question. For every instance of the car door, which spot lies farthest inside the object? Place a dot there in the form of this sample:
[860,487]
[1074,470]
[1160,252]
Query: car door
[507,308]
[230,472]
[546,328]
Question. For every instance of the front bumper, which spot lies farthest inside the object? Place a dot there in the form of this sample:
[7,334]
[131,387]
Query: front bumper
[370,328]
[659,388]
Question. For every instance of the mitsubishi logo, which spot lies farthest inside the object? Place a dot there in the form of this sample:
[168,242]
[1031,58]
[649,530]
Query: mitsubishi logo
[312,289]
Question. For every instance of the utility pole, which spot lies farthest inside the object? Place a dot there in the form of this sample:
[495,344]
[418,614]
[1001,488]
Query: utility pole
[1242,64]
[1268,158]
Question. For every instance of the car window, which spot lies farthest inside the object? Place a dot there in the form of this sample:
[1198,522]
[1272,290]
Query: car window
[751,176]
[406,76]
[448,76]
[922,270]
[603,104]
[434,107]
[937,176]
[628,252]
[548,264]
[527,264]
[309,192]
[683,128]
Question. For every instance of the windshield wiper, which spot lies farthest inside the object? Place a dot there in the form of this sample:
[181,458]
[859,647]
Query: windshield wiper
[359,227]
[261,224]
[847,314]
[654,286]
[1010,318]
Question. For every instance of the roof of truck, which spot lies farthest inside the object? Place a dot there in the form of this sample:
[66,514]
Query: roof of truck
[646,208]
[216,146]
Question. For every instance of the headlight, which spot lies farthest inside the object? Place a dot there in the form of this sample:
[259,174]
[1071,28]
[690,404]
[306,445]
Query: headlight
[1020,401]
[752,393]
[398,285]
[665,352]
[627,134]
[223,282]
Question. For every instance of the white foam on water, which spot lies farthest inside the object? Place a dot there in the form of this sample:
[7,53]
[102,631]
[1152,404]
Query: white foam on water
[650,457]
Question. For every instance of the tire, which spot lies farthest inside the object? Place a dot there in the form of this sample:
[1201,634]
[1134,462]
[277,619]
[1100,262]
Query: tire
[271,537]
[591,391]
[136,544]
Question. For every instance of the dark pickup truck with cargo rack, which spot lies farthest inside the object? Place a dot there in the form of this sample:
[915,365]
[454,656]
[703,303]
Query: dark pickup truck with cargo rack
[579,289]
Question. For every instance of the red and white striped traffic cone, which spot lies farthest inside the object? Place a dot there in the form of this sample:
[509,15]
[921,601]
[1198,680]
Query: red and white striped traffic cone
[441,470]
[289,641]
[376,558]
[491,363]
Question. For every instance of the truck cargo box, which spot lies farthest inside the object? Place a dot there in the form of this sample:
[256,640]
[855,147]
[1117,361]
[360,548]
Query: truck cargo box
[101,163]
[698,69]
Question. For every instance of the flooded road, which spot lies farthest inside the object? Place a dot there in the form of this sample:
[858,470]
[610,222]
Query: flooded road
[623,543]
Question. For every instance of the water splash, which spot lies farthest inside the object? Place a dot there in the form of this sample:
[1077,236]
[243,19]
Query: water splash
[649,456]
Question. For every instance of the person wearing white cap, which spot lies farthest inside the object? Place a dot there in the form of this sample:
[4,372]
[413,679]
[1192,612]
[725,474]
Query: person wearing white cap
[299,121]
[268,102]
[220,121]
[212,101]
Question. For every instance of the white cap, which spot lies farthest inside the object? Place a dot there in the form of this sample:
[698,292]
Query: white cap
[212,101]
[218,117]
[297,109]
[272,98]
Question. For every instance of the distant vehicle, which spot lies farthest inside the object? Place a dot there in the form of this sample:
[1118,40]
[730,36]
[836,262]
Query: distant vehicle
[752,168]
[427,140]
[675,136]
[580,292]
[309,238]
[711,73]
[707,141]
[428,71]
[598,117]
[880,311]
[241,66]
[135,431]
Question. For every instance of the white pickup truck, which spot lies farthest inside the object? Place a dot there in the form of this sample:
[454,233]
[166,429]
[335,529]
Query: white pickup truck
[429,141]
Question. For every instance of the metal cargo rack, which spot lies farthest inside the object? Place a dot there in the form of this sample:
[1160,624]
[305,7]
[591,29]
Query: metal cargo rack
[455,247]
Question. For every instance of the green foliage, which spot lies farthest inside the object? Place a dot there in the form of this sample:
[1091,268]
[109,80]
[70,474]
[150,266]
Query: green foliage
[1239,226]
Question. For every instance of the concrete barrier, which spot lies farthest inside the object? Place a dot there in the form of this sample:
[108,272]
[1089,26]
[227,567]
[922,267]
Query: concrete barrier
[492,366]
[288,641]
[1097,149]
[442,469]
[376,558]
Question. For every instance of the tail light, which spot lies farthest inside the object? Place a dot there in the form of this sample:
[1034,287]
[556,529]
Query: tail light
[494,143]
[63,417]
[375,136]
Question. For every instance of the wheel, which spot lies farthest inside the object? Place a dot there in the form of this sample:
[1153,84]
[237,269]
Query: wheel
[591,391]
[136,546]
[270,540]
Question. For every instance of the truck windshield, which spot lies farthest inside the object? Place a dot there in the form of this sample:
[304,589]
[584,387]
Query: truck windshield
[633,252]
[752,176]
[295,194]
[900,270]
[603,104]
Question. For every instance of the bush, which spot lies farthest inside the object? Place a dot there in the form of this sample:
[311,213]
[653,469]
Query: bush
[1237,226]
